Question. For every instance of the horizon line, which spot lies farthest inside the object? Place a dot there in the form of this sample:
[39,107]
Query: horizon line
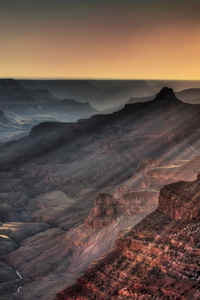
[95,78]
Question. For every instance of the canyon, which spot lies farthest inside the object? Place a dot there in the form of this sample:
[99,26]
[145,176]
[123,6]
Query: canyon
[68,189]
[156,259]
[24,107]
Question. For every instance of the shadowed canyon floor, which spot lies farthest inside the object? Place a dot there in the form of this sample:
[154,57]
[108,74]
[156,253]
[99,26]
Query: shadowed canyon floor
[67,189]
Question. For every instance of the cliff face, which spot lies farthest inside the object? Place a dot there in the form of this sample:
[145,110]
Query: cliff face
[181,205]
[104,211]
[107,209]
[157,259]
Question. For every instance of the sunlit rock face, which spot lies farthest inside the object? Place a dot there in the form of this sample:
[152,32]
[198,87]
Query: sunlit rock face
[107,209]
[104,211]
[183,205]
[159,175]
[78,247]
[156,259]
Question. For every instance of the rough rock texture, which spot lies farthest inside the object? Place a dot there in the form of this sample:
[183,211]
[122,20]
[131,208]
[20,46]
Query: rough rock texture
[62,255]
[159,176]
[107,208]
[61,161]
[181,201]
[104,211]
[157,259]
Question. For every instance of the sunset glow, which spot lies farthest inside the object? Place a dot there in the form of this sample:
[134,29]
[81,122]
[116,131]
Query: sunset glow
[100,39]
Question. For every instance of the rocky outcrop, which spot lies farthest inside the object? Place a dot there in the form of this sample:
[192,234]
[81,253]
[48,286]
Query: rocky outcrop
[156,259]
[167,95]
[107,209]
[138,202]
[159,176]
[181,205]
[104,211]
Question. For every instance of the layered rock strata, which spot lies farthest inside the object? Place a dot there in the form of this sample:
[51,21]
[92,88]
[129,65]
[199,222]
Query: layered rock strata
[156,259]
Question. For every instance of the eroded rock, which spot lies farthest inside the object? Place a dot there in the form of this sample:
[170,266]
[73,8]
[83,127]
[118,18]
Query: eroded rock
[156,259]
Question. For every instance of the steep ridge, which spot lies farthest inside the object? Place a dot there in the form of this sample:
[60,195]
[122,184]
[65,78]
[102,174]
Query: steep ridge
[153,129]
[156,259]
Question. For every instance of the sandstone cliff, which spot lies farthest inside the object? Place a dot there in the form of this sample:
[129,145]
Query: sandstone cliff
[107,209]
[157,259]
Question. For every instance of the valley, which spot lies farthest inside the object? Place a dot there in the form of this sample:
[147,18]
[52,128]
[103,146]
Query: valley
[68,189]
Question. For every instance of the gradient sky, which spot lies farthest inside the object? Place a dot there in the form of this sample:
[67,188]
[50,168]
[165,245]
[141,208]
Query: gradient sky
[100,39]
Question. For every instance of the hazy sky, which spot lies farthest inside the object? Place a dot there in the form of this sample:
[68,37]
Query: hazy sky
[100,39]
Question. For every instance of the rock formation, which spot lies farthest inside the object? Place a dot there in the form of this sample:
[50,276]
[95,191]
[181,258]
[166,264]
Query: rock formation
[156,259]
[107,209]
[50,179]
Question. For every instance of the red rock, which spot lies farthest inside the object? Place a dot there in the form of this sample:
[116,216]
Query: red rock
[107,208]
[157,259]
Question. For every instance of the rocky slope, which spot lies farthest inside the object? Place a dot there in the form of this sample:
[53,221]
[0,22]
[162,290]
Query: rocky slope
[156,259]
[54,175]
[75,248]
[107,209]
[79,246]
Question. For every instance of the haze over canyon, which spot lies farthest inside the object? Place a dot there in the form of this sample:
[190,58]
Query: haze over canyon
[99,189]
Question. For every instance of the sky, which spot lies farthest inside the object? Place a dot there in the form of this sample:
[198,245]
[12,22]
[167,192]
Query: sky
[100,39]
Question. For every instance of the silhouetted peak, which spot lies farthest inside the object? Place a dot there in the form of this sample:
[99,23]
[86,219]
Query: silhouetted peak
[166,94]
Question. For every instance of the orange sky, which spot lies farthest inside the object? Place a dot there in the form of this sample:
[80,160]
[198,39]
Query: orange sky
[100,39]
